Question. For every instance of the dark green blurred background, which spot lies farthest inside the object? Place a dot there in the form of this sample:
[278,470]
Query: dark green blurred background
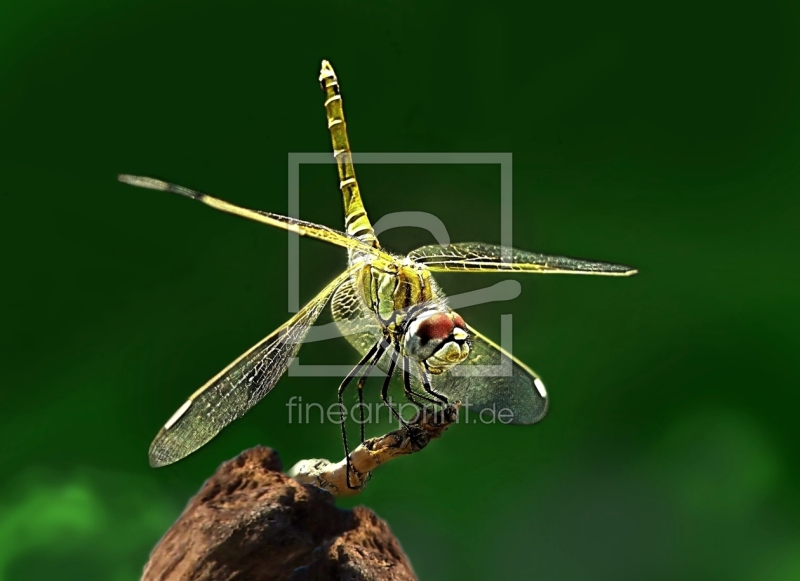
[665,137]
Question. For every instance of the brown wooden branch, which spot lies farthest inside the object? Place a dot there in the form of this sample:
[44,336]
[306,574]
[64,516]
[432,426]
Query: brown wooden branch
[250,522]
[426,425]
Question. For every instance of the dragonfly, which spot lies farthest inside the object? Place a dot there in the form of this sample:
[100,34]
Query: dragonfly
[389,307]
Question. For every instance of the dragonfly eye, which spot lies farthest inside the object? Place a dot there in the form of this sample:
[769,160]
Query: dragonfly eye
[438,339]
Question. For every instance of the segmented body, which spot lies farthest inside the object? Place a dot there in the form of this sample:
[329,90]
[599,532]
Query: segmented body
[395,291]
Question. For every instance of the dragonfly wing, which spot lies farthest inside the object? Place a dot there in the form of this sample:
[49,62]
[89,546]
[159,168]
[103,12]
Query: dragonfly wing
[238,387]
[356,323]
[300,227]
[480,257]
[494,380]
[491,379]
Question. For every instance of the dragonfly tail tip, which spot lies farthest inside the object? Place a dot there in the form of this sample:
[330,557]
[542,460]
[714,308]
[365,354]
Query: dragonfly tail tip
[326,71]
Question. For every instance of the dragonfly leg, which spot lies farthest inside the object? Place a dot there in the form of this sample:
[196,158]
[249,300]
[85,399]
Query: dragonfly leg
[385,390]
[426,384]
[376,352]
[361,381]
[410,393]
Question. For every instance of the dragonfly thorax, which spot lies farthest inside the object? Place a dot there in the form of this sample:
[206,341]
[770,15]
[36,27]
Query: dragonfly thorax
[437,339]
[391,289]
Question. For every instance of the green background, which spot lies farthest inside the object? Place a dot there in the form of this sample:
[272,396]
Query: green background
[663,136]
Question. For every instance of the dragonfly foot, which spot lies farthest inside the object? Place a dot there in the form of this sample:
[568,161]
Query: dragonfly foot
[417,437]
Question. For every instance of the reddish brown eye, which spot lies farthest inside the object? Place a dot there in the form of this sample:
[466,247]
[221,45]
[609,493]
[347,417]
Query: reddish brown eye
[437,339]
[436,327]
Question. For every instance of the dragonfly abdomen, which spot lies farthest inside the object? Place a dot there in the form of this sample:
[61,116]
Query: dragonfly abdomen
[357,223]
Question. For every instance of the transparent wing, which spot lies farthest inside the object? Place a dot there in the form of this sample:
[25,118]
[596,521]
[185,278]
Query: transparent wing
[493,380]
[357,323]
[299,227]
[480,257]
[354,320]
[238,387]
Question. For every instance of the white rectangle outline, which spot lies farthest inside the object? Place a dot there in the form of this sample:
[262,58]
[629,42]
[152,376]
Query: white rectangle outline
[296,159]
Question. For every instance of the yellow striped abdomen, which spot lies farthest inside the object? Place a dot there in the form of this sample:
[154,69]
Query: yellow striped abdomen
[355,216]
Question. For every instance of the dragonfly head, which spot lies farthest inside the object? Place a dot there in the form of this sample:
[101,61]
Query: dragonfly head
[438,339]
